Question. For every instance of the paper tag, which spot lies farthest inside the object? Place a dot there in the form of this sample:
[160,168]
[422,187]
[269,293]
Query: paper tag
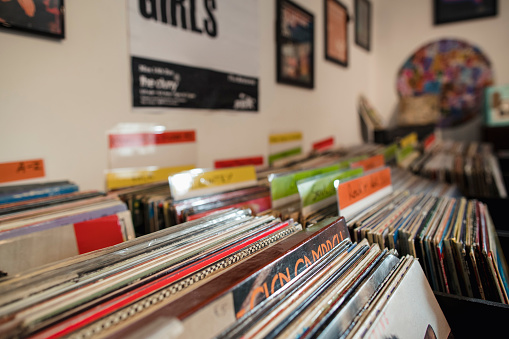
[285,137]
[318,193]
[370,163]
[255,161]
[287,145]
[285,154]
[21,170]
[353,191]
[132,177]
[284,188]
[323,144]
[145,145]
[403,153]
[410,139]
[429,141]
[390,152]
[198,182]
[145,139]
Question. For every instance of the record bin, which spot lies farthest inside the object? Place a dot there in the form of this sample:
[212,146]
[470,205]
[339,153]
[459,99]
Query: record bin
[477,318]
[473,318]
[497,136]
[389,135]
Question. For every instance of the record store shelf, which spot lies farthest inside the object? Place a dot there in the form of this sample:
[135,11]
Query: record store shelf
[477,318]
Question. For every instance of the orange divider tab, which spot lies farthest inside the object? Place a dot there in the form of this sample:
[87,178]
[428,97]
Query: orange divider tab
[21,170]
[355,190]
[370,163]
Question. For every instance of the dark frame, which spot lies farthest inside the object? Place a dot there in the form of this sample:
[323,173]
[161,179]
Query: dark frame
[280,40]
[453,12]
[26,26]
[326,42]
[367,24]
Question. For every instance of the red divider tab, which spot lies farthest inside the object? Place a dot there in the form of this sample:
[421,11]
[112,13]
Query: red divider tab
[146,139]
[99,233]
[324,144]
[255,161]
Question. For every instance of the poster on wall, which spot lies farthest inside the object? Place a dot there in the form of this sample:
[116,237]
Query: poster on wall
[194,54]
[363,24]
[295,45]
[446,11]
[43,17]
[336,32]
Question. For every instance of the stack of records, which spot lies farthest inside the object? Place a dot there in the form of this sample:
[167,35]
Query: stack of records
[354,291]
[78,222]
[226,275]
[471,166]
[140,274]
[454,238]
[27,192]
[153,208]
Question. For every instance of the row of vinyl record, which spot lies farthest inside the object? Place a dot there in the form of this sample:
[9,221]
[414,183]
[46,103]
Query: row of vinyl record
[348,182]
[227,275]
[472,167]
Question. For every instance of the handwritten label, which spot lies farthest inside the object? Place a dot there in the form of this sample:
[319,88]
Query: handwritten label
[410,139]
[313,191]
[286,185]
[21,170]
[147,139]
[133,177]
[255,161]
[370,163]
[323,144]
[197,181]
[224,177]
[286,137]
[355,190]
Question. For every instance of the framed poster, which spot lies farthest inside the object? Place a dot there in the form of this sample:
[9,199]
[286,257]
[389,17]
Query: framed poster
[363,23]
[336,32]
[44,17]
[497,106]
[194,54]
[450,11]
[295,45]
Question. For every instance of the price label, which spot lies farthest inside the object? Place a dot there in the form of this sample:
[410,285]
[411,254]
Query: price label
[21,170]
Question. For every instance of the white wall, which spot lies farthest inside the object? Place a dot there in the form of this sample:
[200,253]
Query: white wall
[402,26]
[58,98]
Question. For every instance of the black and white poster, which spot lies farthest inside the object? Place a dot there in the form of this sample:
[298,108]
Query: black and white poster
[194,54]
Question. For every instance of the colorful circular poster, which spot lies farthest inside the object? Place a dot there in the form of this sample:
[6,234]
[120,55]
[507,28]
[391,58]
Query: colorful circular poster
[454,70]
